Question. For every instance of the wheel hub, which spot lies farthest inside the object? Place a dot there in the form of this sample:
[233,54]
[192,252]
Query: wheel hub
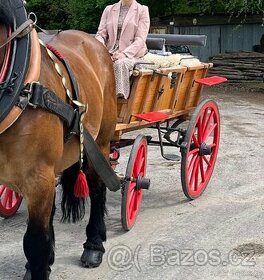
[142,183]
[205,150]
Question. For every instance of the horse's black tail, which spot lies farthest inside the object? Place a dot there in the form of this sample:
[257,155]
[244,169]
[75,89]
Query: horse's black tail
[73,208]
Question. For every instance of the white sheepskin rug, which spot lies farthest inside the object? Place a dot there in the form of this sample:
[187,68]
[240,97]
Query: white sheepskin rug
[173,60]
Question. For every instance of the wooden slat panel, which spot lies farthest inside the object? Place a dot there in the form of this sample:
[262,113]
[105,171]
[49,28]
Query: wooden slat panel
[184,89]
[196,89]
[177,89]
[168,92]
[168,98]
[139,95]
[151,93]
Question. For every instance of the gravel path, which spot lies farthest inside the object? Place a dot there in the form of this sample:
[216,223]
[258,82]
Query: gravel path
[218,236]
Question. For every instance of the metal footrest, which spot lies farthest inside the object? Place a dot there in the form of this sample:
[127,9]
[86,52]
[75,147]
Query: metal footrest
[172,157]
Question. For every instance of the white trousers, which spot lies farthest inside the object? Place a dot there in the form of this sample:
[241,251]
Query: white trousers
[123,69]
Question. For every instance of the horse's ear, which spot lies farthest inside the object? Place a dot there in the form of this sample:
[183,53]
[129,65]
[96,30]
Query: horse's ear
[81,188]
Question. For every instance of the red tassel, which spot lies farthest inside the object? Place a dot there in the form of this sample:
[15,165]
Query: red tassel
[81,188]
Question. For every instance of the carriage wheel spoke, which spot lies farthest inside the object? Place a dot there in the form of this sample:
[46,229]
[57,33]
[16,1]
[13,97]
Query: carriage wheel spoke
[209,131]
[2,189]
[202,170]
[199,130]
[131,202]
[10,200]
[205,115]
[196,182]
[191,164]
[194,171]
[6,198]
[212,146]
[209,128]
[195,141]
[206,160]
[194,151]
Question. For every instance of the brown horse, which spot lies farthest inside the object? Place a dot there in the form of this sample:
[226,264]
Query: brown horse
[33,150]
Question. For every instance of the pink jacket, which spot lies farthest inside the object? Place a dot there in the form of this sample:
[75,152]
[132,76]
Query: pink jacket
[134,30]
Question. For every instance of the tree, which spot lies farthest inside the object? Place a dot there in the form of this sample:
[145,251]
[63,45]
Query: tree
[51,14]
[85,14]
[244,6]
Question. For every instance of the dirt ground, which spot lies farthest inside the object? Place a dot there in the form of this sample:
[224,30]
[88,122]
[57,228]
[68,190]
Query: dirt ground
[217,236]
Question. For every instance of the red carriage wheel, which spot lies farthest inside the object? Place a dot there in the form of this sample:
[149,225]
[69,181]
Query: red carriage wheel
[199,149]
[132,192]
[114,156]
[9,202]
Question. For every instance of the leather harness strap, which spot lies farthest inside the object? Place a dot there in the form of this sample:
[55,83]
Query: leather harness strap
[18,32]
[33,72]
[101,166]
[37,96]
[41,97]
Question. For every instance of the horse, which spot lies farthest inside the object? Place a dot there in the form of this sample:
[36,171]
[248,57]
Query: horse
[34,149]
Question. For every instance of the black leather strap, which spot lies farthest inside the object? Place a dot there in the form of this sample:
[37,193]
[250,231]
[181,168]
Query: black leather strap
[100,164]
[44,98]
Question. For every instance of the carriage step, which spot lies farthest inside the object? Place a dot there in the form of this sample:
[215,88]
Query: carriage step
[210,81]
[172,157]
[152,116]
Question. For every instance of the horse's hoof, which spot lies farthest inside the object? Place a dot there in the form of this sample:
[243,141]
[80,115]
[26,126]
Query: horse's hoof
[91,258]
[27,275]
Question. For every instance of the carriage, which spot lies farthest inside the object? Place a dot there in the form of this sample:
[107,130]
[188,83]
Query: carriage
[167,100]
[59,114]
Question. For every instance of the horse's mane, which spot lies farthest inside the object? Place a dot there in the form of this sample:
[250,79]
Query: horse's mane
[6,11]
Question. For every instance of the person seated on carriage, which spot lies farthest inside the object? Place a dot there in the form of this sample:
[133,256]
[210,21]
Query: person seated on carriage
[123,29]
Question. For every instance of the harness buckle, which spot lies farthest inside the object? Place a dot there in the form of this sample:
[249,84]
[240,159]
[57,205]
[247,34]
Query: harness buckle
[29,90]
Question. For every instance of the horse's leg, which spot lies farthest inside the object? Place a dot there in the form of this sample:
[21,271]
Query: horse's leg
[39,237]
[95,230]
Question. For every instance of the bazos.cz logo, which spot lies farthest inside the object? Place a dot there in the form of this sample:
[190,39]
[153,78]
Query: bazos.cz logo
[122,258]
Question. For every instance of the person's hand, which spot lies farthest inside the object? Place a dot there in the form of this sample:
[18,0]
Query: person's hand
[118,55]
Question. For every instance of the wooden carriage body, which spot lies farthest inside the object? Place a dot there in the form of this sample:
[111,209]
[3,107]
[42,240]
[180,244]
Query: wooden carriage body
[172,91]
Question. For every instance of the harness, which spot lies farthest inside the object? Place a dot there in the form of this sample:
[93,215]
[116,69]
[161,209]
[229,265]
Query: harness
[11,88]
[13,95]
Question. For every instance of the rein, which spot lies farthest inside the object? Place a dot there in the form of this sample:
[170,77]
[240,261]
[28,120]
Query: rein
[25,28]
[21,31]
